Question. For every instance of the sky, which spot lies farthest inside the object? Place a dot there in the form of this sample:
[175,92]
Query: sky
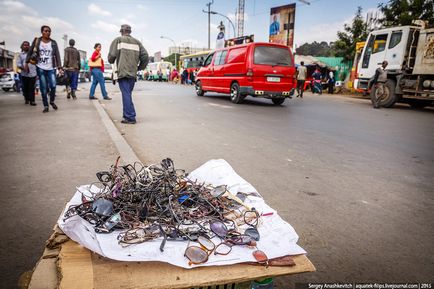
[98,21]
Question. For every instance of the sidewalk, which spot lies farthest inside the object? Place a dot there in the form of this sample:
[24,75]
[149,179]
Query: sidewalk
[44,157]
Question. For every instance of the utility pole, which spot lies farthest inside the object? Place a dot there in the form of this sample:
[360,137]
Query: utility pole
[209,22]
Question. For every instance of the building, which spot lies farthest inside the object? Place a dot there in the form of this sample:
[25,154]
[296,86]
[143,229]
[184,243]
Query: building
[185,49]
[6,59]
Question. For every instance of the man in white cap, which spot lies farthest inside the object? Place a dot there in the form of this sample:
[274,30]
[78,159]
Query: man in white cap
[130,56]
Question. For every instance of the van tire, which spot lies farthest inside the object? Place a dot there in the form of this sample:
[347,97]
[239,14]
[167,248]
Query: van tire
[199,91]
[5,89]
[278,101]
[235,93]
[390,95]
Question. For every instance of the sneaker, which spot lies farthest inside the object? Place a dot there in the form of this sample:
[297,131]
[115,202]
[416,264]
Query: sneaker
[128,121]
[107,98]
[68,96]
[92,97]
[46,109]
[33,103]
[54,105]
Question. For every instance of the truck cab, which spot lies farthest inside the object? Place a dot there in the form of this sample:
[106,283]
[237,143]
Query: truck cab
[410,71]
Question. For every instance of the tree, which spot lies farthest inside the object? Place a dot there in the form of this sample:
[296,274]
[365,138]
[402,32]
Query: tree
[315,49]
[171,58]
[403,12]
[345,46]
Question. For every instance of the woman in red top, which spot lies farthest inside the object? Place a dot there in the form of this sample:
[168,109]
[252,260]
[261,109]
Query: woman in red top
[97,76]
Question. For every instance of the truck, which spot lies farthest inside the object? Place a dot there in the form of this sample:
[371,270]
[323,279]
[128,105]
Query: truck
[409,51]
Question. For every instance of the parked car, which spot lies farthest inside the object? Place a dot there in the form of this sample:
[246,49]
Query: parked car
[257,69]
[108,71]
[7,81]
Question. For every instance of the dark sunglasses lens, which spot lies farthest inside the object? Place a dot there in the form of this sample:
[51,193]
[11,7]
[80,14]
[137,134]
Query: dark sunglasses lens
[260,256]
[219,229]
[222,249]
[207,243]
[102,207]
[253,233]
[196,255]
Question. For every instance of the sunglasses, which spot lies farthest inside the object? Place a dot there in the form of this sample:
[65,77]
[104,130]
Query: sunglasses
[200,254]
[251,218]
[260,257]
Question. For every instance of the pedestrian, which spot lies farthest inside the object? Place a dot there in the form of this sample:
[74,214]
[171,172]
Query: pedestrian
[72,66]
[192,79]
[17,80]
[168,74]
[317,78]
[130,56]
[301,78]
[174,76]
[331,82]
[160,75]
[379,81]
[96,65]
[28,74]
[184,75]
[47,59]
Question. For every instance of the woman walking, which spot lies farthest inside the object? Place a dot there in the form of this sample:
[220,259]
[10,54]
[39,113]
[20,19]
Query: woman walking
[45,53]
[97,68]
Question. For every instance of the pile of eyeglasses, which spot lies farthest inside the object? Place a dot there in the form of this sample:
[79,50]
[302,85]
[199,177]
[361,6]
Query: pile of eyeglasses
[148,202]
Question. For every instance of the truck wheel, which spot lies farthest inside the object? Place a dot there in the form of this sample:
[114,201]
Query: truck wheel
[235,93]
[389,97]
[5,89]
[199,90]
[278,101]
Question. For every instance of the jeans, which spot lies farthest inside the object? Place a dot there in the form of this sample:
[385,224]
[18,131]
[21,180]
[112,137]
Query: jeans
[126,86]
[47,80]
[97,77]
[300,87]
[29,88]
[73,79]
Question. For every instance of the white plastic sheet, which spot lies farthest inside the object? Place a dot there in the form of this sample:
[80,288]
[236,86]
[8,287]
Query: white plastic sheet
[278,238]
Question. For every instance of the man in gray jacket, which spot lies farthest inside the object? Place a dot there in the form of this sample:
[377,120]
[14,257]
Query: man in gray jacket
[130,56]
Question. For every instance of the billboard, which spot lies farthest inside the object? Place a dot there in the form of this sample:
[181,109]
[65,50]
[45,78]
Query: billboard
[282,25]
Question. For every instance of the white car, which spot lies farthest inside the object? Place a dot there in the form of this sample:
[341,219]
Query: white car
[108,71]
[7,81]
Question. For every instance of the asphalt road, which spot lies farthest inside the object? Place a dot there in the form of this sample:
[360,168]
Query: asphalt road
[356,183]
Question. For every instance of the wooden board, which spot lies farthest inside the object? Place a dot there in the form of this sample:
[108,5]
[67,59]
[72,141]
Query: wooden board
[80,268]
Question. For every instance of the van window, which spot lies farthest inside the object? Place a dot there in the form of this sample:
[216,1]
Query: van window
[270,55]
[237,55]
[395,39]
[208,60]
[220,57]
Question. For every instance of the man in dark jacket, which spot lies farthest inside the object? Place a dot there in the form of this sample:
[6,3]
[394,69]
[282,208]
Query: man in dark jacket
[127,52]
[71,63]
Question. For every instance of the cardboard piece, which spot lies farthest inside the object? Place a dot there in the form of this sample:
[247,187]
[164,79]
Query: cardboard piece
[99,272]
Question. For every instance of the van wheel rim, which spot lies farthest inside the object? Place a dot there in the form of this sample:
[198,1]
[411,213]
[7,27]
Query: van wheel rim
[234,93]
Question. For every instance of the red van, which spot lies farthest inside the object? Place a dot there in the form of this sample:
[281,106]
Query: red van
[257,69]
